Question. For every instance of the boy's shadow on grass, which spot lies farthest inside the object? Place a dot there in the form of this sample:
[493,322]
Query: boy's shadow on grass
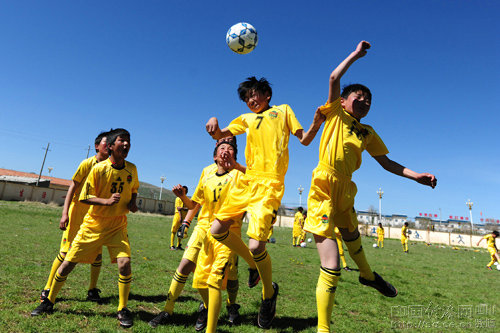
[136,297]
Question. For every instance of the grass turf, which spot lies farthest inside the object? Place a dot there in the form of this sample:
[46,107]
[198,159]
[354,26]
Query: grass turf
[440,289]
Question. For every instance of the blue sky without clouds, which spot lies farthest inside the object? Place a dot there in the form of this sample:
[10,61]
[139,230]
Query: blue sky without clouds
[161,69]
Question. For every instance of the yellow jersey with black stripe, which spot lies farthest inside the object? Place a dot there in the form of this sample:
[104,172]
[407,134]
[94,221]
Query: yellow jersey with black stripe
[298,221]
[268,133]
[344,139]
[490,241]
[81,175]
[204,214]
[212,190]
[104,179]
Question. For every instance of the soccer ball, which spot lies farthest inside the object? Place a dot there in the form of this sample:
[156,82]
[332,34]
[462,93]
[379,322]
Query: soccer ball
[242,38]
[496,263]
[375,245]
[498,267]
[303,244]
[309,240]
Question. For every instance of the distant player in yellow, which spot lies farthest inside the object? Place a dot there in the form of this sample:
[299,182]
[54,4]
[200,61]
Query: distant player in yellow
[404,237]
[298,224]
[179,216]
[261,189]
[304,233]
[492,247]
[72,217]
[196,241]
[331,197]
[380,236]
[338,238]
[111,190]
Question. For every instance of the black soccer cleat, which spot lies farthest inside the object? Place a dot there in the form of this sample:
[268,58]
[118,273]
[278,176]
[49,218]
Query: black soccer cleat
[93,295]
[267,310]
[253,277]
[45,307]
[383,287]
[201,322]
[233,313]
[44,294]
[179,248]
[160,319]
[125,318]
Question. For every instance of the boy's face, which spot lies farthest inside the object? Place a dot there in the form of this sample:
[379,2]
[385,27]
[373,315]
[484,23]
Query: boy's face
[357,104]
[102,147]
[225,152]
[121,147]
[256,101]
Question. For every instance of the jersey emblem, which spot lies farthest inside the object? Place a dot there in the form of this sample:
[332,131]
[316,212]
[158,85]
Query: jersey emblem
[273,114]
[360,133]
[119,179]
[324,219]
[129,179]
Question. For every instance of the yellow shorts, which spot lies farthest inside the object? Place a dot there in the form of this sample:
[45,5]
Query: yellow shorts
[380,238]
[195,243]
[76,214]
[212,268]
[404,240]
[176,223]
[492,252]
[296,232]
[330,203]
[97,232]
[260,197]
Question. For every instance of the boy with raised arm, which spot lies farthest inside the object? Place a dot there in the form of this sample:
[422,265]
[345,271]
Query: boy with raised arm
[331,197]
[111,190]
[260,190]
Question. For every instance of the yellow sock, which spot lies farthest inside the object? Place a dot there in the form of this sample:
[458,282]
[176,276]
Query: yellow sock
[56,286]
[342,258]
[234,242]
[95,270]
[176,286]
[172,236]
[204,296]
[123,290]
[55,266]
[214,305]
[357,254]
[265,267]
[232,291]
[325,296]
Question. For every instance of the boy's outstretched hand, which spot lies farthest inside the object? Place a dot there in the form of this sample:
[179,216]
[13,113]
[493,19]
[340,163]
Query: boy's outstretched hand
[179,190]
[212,127]
[361,48]
[426,179]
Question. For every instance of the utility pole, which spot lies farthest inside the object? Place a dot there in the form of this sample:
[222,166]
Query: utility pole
[43,163]
[380,194]
[162,178]
[88,152]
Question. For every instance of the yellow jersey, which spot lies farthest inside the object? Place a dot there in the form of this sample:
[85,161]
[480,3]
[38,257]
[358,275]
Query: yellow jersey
[490,241]
[104,180]
[212,190]
[404,232]
[204,214]
[268,133]
[380,231]
[344,139]
[178,203]
[81,175]
[298,221]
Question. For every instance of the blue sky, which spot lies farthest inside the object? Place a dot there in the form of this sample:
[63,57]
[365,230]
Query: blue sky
[161,69]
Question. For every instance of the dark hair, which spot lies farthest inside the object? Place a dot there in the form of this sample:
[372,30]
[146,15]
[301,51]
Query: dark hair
[98,139]
[406,224]
[115,133]
[262,86]
[186,188]
[230,140]
[353,88]
[495,233]
[380,224]
[300,209]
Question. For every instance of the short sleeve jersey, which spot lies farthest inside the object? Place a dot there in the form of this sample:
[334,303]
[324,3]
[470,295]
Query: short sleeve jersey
[344,139]
[380,231]
[81,175]
[179,203]
[490,241]
[204,214]
[268,133]
[212,190]
[104,180]
[298,220]
[404,231]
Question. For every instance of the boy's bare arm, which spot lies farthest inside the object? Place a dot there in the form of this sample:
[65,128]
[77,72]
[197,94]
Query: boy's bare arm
[397,169]
[334,91]
[307,137]
[180,192]
[132,205]
[63,223]
[479,241]
[192,213]
[115,198]
[214,130]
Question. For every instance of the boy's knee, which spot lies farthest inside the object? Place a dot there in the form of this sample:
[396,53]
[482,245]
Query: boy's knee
[349,235]
[256,247]
[124,266]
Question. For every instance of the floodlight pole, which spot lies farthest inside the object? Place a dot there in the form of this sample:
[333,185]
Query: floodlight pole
[300,189]
[380,194]
[50,170]
[470,204]
[162,178]
[43,163]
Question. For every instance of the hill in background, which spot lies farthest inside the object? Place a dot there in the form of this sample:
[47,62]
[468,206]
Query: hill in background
[147,190]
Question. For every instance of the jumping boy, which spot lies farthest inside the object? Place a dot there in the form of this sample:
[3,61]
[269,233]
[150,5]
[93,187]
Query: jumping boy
[404,237]
[380,235]
[331,197]
[492,248]
[111,190]
[260,190]
[196,242]
[72,217]
[179,216]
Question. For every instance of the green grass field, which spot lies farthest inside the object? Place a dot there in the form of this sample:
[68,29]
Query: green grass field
[440,289]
